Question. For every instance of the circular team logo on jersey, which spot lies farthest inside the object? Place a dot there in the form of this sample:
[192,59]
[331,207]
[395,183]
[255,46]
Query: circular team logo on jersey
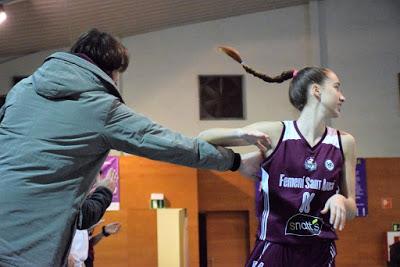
[329,165]
[310,164]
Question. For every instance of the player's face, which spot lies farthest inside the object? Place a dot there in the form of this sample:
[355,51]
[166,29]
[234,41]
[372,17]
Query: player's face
[332,97]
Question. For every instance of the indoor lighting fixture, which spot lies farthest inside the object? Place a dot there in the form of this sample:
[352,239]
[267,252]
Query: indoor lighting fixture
[3,14]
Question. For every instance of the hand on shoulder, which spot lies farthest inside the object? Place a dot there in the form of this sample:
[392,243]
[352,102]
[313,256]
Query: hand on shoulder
[271,128]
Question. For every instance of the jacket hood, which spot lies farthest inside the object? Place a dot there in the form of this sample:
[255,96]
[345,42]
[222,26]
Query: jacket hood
[63,75]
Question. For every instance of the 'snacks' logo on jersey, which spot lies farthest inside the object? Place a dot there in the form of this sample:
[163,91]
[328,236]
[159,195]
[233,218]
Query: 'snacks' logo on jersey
[310,164]
[303,225]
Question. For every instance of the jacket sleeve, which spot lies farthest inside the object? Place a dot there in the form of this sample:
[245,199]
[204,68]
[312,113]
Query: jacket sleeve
[94,207]
[133,133]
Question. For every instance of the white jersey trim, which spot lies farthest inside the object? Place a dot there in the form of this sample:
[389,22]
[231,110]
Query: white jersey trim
[290,131]
[332,138]
[265,214]
[258,262]
[332,251]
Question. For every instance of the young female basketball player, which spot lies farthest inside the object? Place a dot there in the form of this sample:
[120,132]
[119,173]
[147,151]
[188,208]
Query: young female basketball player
[308,175]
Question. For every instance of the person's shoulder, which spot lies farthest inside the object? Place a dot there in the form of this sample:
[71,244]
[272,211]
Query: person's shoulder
[348,142]
[102,97]
[267,126]
[272,128]
[347,138]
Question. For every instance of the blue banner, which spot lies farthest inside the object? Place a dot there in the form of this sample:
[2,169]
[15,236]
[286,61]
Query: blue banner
[361,188]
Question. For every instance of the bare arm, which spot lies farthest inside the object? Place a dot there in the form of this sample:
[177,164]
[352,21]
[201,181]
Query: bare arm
[342,206]
[96,239]
[348,182]
[224,136]
[109,229]
[265,135]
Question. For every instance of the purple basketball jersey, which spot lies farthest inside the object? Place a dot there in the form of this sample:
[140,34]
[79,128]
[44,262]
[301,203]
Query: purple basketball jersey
[297,180]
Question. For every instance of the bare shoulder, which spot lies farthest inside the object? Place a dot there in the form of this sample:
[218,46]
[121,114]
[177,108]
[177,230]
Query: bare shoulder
[348,141]
[268,127]
[347,138]
[272,128]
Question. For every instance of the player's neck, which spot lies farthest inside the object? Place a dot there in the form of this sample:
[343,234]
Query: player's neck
[311,125]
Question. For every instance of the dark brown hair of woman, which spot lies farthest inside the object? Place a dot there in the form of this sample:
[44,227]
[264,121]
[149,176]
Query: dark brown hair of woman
[299,85]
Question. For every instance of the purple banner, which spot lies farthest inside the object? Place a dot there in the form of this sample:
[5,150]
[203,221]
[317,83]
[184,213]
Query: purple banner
[112,162]
[361,188]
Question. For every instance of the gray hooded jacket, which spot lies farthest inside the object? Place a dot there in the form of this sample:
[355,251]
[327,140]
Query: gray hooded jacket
[56,129]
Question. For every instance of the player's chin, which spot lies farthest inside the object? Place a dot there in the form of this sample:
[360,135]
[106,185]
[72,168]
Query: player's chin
[336,113]
[333,114]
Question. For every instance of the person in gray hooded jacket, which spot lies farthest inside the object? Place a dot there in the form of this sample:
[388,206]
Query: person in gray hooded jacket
[56,129]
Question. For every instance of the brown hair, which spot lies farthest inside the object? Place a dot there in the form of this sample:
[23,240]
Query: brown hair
[106,51]
[302,79]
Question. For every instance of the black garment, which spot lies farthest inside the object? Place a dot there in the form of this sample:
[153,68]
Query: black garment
[90,259]
[395,255]
[2,100]
[94,207]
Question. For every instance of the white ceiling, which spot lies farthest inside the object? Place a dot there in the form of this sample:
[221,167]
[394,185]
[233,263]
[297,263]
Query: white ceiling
[35,25]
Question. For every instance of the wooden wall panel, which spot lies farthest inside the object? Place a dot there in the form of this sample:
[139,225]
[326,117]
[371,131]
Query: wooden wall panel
[363,241]
[113,247]
[136,244]
[227,238]
[228,191]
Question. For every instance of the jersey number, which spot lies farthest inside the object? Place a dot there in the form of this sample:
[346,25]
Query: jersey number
[306,203]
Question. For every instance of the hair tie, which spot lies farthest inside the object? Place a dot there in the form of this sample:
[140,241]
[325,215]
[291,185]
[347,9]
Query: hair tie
[295,73]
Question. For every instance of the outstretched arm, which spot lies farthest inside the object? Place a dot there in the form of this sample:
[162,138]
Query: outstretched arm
[224,136]
[264,135]
[133,133]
